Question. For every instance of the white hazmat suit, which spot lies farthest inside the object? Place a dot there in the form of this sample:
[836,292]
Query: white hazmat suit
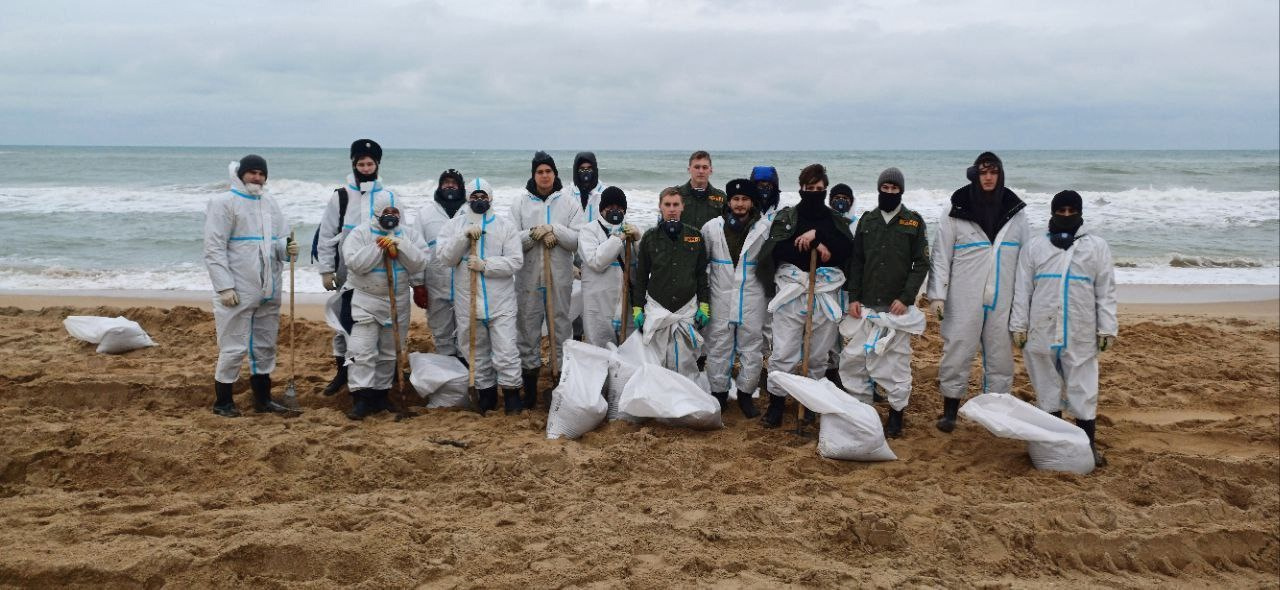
[738,305]
[564,216]
[497,358]
[244,249]
[877,349]
[333,231]
[601,246]
[439,277]
[789,307]
[1064,300]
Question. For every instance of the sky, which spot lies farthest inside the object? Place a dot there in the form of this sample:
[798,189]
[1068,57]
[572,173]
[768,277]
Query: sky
[597,74]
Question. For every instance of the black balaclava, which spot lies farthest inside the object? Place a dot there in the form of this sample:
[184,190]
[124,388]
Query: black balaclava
[1063,228]
[361,148]
[450,199]
[813,204]
[841,198]
[540,158]
[739,186]
[671,227]
[586,182]
[613,196]
[251,162]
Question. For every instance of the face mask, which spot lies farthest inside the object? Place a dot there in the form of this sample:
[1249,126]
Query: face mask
[253,189]
[672,227]
[1062,229]
[363,178]
[585,178]
[841,205]
[731,222]
[812,204]
[450,194]
[479,206]
[889,201]
[614,216]
[389,221]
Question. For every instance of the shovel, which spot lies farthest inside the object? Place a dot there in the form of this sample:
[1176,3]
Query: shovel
[472,395]
[808,335]
[403,413]
[291,391]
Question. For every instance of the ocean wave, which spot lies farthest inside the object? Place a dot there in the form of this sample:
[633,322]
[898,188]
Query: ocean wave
[1181,261]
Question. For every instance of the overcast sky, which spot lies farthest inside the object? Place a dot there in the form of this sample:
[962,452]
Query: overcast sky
[800,74]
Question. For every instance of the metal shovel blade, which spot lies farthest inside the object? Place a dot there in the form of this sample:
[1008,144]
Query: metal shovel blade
[291,397]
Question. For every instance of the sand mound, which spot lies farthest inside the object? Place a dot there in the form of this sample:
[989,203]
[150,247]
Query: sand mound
[114,473]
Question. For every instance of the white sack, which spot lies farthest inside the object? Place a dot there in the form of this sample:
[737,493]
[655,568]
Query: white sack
[576,404]
[440,379]
[1053,443]
[849,430]
[112,335]
[656,392]
[624,363]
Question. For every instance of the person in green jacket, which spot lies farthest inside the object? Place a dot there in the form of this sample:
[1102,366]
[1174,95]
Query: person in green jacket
[702,202]
[889,264]
[671,296]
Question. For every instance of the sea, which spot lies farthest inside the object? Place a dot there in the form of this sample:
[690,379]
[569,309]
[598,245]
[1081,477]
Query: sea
[131,218]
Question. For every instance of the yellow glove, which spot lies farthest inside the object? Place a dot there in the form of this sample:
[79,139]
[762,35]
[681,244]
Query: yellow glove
[538,231]
[1105,341]
[329,280]
[388,244]
[476,264]
[474,232]
[228,298]
[936,307]
[1020,339]
[549,240]
[631,231]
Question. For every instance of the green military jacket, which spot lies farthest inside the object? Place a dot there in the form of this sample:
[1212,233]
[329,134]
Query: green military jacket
[890,260]
[671,271]
[699,210]
[783,228]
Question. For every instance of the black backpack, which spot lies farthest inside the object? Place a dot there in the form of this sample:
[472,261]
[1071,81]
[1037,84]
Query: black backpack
[342,217]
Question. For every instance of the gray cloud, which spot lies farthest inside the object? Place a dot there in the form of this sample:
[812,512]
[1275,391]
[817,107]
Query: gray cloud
[813,74]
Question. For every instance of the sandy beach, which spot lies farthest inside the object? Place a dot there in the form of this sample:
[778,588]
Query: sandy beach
[113,472]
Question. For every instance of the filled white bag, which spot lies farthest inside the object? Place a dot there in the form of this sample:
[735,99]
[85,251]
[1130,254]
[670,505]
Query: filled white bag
[112,335]
[849,430]
[624,363]
[655,392]
[440,379]
[1053,443]
[576,404]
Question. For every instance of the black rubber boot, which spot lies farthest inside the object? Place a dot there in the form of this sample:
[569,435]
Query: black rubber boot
[773,415]
[223,404]
[809,416]
[1089,427]
[531,388]
[893,426]
[361,404]
[833,375]
[950,408]
[747,405]
[876,398]
[511,403]
[1057,414]
[339,379]
[262,402]
[488,399]
[381,402]
[723,398]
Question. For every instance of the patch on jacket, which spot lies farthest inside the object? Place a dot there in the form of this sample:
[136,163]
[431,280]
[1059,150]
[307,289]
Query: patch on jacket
[692,239]
[716,198]
[909,222]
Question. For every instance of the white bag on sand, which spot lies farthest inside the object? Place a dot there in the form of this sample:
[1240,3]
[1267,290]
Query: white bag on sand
[850,430]
[440,379]
[112,335]
[624,363]
[576,404]
[1053,443]
[655,392]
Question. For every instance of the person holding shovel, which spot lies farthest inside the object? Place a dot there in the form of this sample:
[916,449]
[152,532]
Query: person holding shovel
[484,251]
[547,221]
[788,272]
[372,347]
[606,264]
[245,247]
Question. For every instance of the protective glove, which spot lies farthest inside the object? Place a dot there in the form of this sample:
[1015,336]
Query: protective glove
[228,298]
[637,317]
[631,231]
[329,280]
[1020,339]
[474,232]
[420,296]
[476,264]
[388,244]
[291,248]
[549,240]
[936,308]
[702,316]
[1105,341]
[538,231]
